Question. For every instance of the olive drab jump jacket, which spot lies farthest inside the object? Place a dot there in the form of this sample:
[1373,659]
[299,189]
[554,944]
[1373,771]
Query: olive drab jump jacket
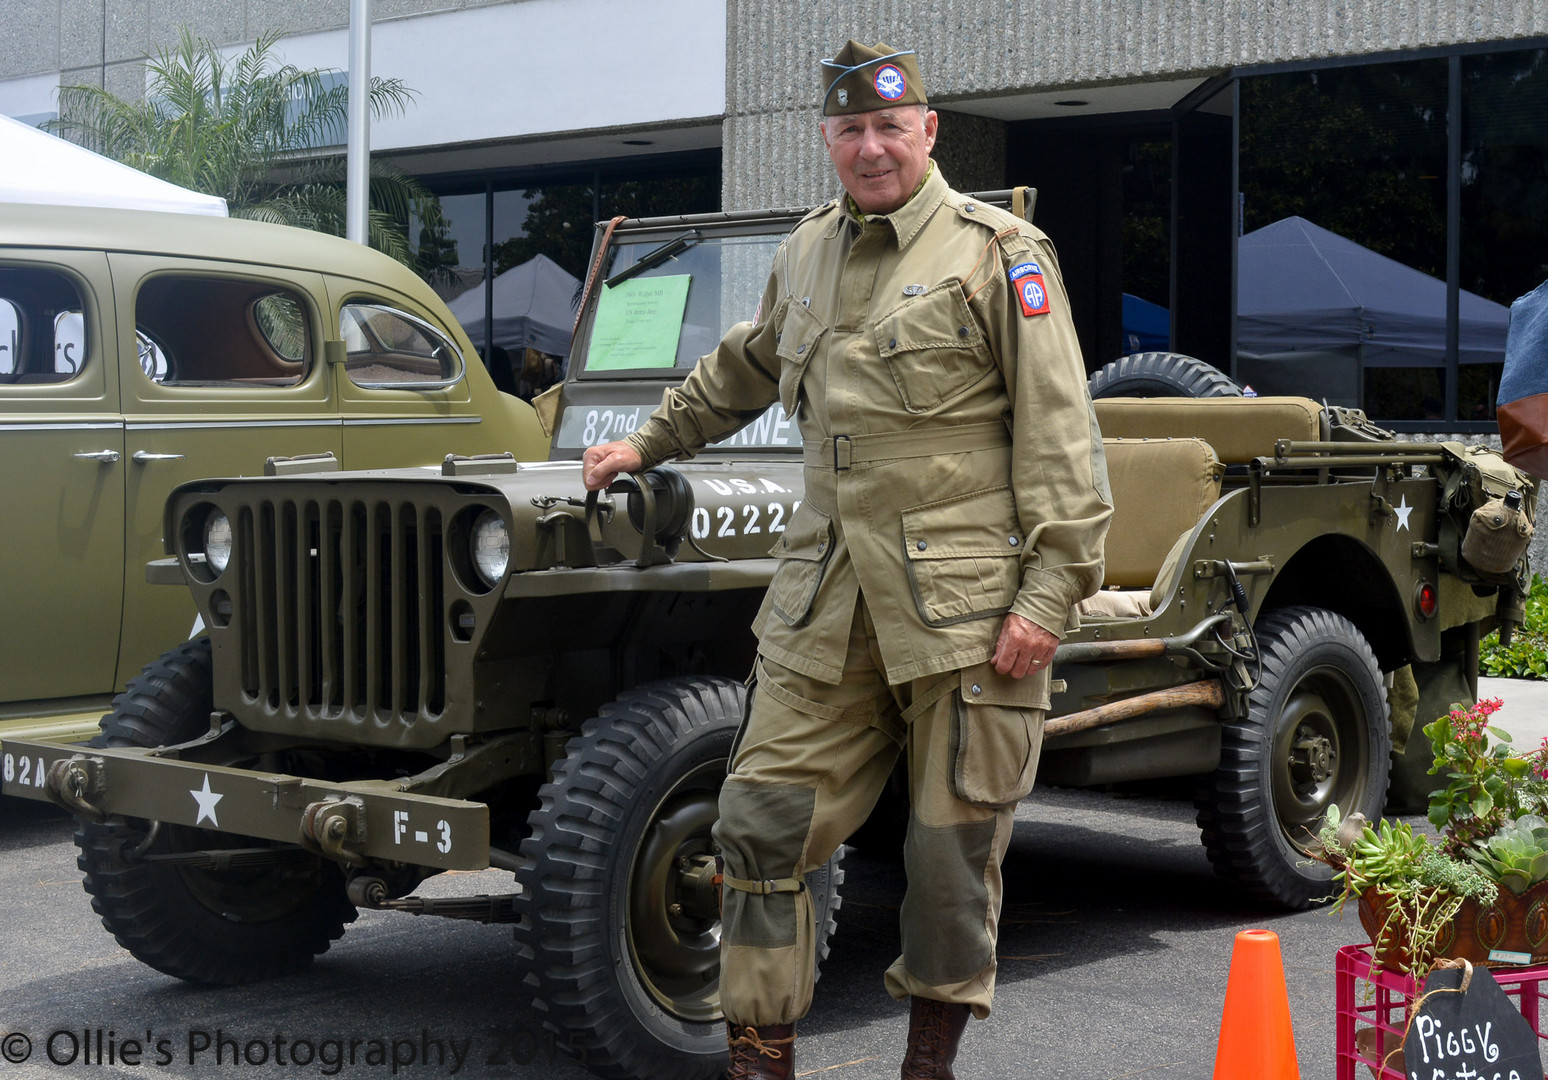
[954,466]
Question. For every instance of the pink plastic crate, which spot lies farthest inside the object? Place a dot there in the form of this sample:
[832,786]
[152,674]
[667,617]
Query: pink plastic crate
[1378,1010]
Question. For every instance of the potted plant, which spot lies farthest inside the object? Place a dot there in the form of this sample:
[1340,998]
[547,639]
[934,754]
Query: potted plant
[1480,889]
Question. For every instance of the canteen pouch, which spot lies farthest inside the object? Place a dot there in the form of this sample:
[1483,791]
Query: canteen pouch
[1523,397]
[1496,537]
[996,735]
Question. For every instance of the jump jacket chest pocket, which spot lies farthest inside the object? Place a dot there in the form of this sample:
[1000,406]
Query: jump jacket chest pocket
[963,556]
[800,335]
[803,551]
[933,346]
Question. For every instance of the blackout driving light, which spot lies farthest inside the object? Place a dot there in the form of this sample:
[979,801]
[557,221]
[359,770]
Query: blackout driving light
[217,541]
[491,547]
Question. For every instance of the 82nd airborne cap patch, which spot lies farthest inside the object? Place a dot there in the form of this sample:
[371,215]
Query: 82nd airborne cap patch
[1026,280]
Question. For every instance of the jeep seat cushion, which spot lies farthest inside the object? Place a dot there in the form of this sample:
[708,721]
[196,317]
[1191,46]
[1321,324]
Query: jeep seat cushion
[1161,487]
[1239,429]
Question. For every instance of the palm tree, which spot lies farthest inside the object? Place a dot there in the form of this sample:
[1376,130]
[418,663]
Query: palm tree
[247,128]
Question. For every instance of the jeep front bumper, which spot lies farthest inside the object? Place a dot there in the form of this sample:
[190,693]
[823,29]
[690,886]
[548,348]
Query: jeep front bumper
[356,822]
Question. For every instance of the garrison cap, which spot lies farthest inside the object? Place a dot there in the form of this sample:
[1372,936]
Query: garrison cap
[865,77]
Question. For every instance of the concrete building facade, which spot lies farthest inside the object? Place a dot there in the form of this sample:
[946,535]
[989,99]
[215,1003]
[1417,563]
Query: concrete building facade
[1160,134]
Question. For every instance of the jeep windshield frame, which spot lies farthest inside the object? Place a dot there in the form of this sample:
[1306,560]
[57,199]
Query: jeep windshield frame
[649,248]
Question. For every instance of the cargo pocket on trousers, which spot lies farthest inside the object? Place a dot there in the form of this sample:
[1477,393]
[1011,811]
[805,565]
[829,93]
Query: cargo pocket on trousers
[997,735]
[803,551]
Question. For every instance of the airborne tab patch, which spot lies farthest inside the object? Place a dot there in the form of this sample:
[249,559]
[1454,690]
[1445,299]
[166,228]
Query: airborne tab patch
[1027,280]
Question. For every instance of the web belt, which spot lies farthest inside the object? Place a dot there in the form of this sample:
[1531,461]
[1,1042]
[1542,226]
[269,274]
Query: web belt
[844,452]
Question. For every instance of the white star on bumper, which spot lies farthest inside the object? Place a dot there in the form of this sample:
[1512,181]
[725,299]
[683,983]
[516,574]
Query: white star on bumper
[206,800]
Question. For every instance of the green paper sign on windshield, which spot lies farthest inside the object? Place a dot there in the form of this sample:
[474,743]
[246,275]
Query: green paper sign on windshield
[638,323]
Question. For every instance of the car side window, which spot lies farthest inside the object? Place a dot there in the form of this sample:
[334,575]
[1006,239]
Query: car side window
[42,330]
[387,347]
[196,331]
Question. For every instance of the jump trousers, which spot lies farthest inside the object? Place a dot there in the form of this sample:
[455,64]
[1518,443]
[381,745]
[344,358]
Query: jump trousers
[809,764]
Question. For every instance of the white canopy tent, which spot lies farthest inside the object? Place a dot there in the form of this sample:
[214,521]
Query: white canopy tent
[36,167]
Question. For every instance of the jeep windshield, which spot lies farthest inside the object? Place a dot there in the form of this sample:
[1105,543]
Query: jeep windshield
[689,291]
[666,292]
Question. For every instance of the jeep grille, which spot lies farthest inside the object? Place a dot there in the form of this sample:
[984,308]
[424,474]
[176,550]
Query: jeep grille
[341,608]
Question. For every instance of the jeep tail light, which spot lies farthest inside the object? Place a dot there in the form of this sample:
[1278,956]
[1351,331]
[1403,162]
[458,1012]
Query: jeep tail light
[1426,600]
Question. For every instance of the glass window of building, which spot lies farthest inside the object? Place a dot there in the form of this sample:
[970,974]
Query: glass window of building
[1341,262]
[450,240]
[1147,263]
[1504,227]
[539,253]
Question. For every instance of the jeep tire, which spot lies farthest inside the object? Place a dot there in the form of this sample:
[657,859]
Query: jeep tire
[1161,374]
[1315,734]
[222,927]
[622,955]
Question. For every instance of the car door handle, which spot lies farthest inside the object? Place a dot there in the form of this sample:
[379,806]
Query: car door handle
[142,456]
[107,457]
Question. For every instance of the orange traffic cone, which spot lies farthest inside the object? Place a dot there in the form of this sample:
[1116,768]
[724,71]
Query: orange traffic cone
[1256,1042]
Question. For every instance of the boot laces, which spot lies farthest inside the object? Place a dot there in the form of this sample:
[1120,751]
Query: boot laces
[935,1033]
[747,1048]
[749,1040]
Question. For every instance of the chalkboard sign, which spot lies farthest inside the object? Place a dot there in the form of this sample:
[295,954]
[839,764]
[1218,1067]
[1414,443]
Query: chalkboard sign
[1469,1030]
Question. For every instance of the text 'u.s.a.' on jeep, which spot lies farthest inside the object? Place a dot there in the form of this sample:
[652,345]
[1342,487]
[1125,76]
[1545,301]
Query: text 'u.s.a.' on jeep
[409,672]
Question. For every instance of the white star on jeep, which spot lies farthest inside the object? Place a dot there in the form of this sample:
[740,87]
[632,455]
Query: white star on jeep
[1403,510]
[206,800]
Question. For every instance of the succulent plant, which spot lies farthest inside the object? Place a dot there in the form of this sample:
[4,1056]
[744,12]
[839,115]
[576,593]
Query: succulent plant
[1516,854]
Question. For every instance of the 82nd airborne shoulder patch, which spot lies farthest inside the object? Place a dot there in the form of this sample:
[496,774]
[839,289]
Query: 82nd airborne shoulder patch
[1026,281]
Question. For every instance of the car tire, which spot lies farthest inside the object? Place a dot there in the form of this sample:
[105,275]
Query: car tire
[1161,374]
[624,982]
[219,927]
[1315,734]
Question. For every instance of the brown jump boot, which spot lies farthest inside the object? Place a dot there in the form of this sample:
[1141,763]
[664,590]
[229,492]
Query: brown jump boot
[934,1030]
[766,1053]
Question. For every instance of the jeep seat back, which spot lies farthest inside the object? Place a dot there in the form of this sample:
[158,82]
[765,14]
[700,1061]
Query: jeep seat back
[1239,429]
[1161,487]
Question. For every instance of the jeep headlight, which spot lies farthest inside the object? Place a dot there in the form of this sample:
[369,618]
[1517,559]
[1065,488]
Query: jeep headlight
[217,541]
[491,547]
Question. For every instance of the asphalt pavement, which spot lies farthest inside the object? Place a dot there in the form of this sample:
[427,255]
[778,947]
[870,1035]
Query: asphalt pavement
[1115,949]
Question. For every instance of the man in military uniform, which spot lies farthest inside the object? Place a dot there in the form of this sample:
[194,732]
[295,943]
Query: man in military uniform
[956,500]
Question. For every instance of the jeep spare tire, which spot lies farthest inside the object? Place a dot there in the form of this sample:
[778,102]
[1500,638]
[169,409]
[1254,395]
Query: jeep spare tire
[1161,374]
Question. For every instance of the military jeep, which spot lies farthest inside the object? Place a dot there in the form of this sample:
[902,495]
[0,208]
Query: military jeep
[482,666]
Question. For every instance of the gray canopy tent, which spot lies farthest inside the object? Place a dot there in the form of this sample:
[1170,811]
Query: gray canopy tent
[532,308]
[1314,310]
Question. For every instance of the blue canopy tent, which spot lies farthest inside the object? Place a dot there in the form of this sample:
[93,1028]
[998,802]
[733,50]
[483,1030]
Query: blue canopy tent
[532,308]
[1314,310]
[1147,327]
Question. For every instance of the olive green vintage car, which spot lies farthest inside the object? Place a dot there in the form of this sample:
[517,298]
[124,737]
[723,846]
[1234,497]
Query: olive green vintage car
[142,350]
